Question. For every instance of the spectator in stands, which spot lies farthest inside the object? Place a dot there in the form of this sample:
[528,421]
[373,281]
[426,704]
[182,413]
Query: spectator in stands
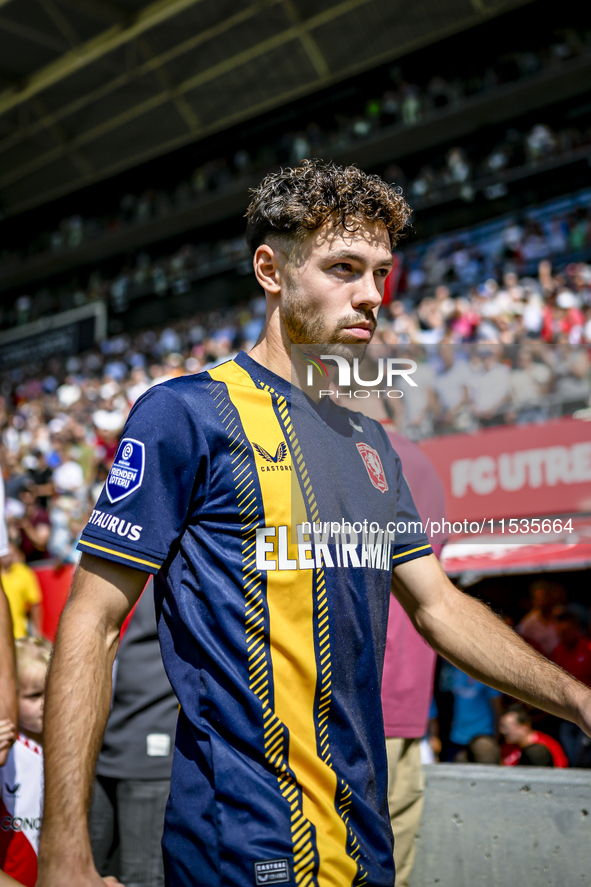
[516,728]
[530,382]
[23,593]
[405,100]
[451,389]
[533,246]
[33,528]
[574,388]
[489,386]
[573,653]
[464,322]
[579,231]
[536,755]
[475,712]
[538,626]
[419,401]
[41,475]
[484,750]
[539,143]
[409,665]
[458,167]
[411,103]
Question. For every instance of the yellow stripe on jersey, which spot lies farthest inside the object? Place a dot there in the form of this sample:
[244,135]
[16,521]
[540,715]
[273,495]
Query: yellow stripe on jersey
[290,604]
[412,551]
[300,475]
[259,663]
[127,557]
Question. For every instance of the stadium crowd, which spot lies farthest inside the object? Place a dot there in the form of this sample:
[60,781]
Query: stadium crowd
[511,347]
[506,349]
[463,262]
[403,104]
[60,431]
[497,317]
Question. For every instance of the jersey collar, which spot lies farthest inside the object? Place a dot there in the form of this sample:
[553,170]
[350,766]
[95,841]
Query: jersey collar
[261,374]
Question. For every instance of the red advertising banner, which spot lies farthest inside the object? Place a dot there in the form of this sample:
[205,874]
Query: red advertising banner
[515,471]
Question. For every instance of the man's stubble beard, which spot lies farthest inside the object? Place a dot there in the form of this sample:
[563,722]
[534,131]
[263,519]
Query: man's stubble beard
[302,327]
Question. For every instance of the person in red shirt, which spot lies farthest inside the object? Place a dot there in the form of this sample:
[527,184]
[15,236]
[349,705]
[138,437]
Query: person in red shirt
[573,654]
[515,726]
[409,667]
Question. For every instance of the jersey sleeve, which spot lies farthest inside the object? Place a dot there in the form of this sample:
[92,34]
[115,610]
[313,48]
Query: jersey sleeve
[157,479]
[410,537]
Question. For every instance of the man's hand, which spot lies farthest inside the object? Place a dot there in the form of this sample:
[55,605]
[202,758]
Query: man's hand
[7,737]
[467,633]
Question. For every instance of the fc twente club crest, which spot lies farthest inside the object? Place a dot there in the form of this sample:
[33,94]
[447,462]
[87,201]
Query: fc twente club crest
[374,466]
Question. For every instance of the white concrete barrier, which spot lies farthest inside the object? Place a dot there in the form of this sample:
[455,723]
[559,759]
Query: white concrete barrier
[504,827]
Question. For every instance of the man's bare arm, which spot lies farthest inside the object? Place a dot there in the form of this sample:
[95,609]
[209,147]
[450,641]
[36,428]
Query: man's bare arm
[76,711]
[7,680]
[467,633]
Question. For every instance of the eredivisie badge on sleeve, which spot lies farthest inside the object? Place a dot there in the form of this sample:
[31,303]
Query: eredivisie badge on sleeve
[127,471]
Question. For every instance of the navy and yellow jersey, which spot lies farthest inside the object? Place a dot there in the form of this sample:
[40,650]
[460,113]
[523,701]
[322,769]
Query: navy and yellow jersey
[272,601]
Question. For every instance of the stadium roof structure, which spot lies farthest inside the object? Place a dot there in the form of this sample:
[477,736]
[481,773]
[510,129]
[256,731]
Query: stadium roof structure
[89,88]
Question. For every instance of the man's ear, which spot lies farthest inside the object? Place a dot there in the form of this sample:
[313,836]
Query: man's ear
[268,267]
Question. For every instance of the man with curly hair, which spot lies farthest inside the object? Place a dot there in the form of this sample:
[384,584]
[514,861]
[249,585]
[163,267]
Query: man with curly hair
[272,632]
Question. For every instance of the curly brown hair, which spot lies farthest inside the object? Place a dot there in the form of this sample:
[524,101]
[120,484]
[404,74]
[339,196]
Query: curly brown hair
[291,203]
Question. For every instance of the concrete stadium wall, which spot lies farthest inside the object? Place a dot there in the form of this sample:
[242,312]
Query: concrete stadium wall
[504,827]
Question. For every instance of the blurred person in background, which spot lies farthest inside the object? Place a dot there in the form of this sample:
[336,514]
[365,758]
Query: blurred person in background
[20,771]
[418,403]
[476,710]
[530,382]
[536,755]
[21,777]
[409,666]
[489,385]
[335,287]
[41,475]
[573,653]
[573,389]
[516,728]
[23,592]
[33,529]
[538,626]
[483,750]
[451,389]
